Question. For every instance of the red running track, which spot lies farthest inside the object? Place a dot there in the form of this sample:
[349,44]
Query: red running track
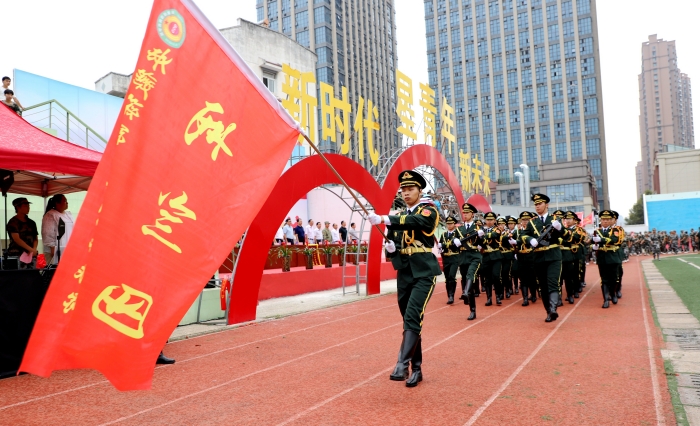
[331,367]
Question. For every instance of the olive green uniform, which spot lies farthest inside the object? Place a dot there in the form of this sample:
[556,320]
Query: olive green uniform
[416,265]
[451,258]
[569,275]
[470,259]
[492,259]
[526,268]
[608,260]
[506,264]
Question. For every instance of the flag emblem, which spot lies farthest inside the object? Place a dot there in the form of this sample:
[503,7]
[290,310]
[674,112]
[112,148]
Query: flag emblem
[171,28]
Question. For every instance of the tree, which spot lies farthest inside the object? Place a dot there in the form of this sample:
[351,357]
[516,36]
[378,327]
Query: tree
[636,214]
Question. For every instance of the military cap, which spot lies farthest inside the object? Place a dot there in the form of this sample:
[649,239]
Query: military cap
[411,178]
[540,198]
[526,215]
[479,222]
[466,208]
[451,219]
[558,213]
[577,219]
[490,215]
[615,214]
[502,220]
[511,219]
[606,214]
[570,215]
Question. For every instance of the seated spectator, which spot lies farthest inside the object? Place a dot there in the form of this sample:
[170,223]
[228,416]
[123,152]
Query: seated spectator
[318,233]
[335,234]
[23,234]
[6,85]
[343,231]
[299,232]
[9,102]
[56,208]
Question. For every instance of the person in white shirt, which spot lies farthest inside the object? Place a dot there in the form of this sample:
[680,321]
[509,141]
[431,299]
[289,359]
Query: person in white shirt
[318,233]
[335,234]
[57,208]
[288,231]
[279,235]
[309,232]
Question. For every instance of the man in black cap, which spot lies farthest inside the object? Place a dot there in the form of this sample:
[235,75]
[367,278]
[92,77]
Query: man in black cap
[450,257]
[605,243]
[512,223]
[492,258]
[470,260]
[508,257]
[526,266]
[23,234]
[543,233]
[620,253]
[411,236]
[579,252]
[569,244]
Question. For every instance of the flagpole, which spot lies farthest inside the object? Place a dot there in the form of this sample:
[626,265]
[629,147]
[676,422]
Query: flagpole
[342,181]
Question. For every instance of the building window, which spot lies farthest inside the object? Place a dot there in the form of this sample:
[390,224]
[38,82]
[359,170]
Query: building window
[529,115]
[596,169]
[261,13]
[429,26]
[591,126]
[543,113]
[502,138]
[515,138]
[286,24]
[557,91]
[496,45]
[497,64]
[322,15]
[508,24]
[560,130]
[302,20]
[456,37]
[488,141]
[517,154]
[471,69]
[567,11]
[584,26]
[323,35]
[522,21]
[558,111]
[303,38]
[576,151]
[590,106]
[456,55]
[530,135]
[553,32]
[573,108]
[546,153]
[552,14]
[269,81]
[587,66]
[561,151]
[502,158]
[488,125]
[325,54]
[510,44]
[544,133]
[430,42]
[498,82]
[495,27]
[586,46]
[592,147]
[325,75]
[531,152]
[272,10]
[556,71]
[513,98]
[475,143]
[542,93]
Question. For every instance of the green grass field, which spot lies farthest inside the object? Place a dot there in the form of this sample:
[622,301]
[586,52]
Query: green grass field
[684,278]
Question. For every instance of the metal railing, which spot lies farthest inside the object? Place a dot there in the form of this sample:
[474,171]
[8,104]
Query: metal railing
[52,115]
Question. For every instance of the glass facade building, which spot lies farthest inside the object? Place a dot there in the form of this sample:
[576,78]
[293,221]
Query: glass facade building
[523,77]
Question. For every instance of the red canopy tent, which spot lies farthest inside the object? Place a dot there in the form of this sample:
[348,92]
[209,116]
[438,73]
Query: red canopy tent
[42,164]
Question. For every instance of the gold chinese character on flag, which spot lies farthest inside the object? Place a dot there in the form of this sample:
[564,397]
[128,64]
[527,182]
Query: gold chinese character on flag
[144,81]
[448,125]
[69,304]
[159,58]
[125,312]
[300,102]
[178,210]
[216,133]
[404,106]
[427,101]
[122,131]
[369,124]
[132,108]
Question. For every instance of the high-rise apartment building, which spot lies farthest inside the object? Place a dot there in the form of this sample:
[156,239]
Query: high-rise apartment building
[665,106]
[355,41]
[524,79]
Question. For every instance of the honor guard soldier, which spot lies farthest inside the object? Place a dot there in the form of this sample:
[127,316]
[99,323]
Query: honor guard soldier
[620,253]
[451,257]
[492,258]
[543,233]
[480,273]
[579,252]
[569,246]
[558,215]
[605,243]
[410,250]
[508,257]
[512,223]
[470,259]
[524,254]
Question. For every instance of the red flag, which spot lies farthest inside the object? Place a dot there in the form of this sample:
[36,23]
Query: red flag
[196,150]
[588,220]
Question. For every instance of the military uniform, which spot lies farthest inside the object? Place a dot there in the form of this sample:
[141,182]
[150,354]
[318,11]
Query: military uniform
[451,257]
[525,263]
[607,258]
[508,257]
[470,260]
[492,259]
[620,252]
[569,246]
[579,251]
[547,256]
[410,251]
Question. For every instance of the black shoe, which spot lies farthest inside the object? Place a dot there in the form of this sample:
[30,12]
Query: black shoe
[416,361]
[619,294]
[450,299]
[498,301]
[477,294]
[408,347]
[533,299]
[583,284]
[614,298]
[508,294]
[162,359]
[570,299]
[472,316]
[576,295]
[488,302]
[549,318]
[606,304]
[554,300]
[526,302]
[416,377]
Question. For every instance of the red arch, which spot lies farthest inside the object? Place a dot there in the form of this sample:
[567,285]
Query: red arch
[294,184]
[297,182]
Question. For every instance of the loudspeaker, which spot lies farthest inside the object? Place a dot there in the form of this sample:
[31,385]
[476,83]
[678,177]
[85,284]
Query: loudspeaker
[7,178]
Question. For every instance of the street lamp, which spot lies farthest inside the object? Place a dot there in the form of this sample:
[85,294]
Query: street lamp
[521,181]
[556,197]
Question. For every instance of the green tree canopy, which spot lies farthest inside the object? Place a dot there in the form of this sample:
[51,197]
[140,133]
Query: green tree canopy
[636,214]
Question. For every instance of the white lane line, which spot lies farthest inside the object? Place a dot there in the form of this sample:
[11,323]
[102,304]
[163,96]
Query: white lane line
[102,382]
[364,382]
[256,372]
[689,263]
[517,371]
[660,420]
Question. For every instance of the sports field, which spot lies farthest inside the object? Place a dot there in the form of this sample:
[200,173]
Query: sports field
[592,366]
[683,273]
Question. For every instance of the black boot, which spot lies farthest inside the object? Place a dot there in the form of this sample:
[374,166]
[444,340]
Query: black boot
[606,297]
[408,347]
[515,285]
[450,298]
[472,309]
[162,359]
[488,292]
[465,291]
[619,294]
[570,299]
[416,374]
[559,302]
[463,282]
[525,301]
[554,300]
[613,297]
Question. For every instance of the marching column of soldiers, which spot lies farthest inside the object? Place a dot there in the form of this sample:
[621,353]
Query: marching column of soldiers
[538,253]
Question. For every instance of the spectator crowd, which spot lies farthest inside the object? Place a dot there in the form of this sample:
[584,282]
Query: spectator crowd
[296,233]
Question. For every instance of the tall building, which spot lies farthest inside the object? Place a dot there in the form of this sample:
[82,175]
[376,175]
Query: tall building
[356,47]
[524,79]
[665,105]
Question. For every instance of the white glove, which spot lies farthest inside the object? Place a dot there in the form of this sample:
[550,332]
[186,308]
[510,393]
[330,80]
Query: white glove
[375,219]
[479,247]
[594,246]
[515,256]
[480,233]
[457,242]
[533,242]
[440,246]
[390,246]
[556,225]
[512,242]
[596,238]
